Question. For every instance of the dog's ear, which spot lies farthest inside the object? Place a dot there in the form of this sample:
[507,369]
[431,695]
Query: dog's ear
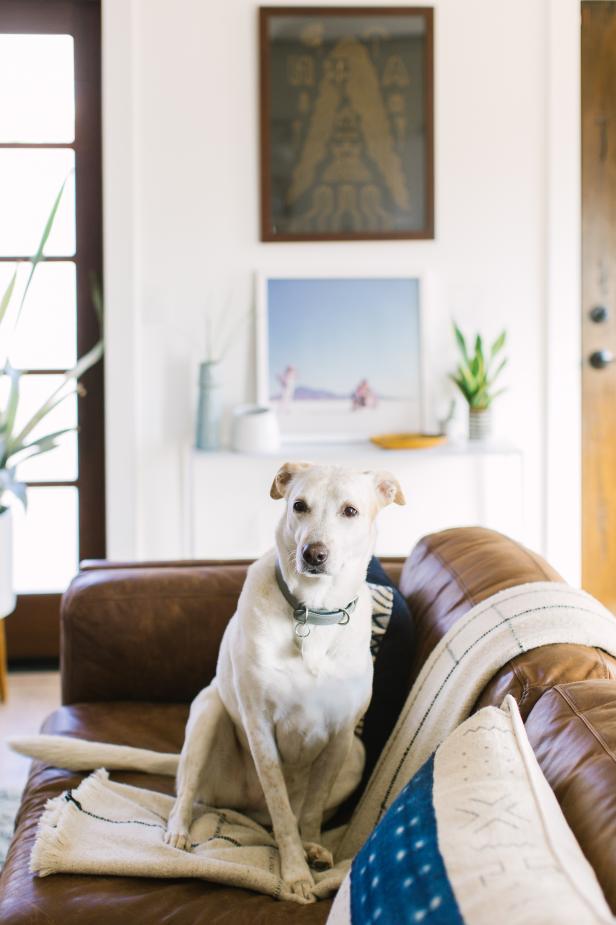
[388,489]
[284,476]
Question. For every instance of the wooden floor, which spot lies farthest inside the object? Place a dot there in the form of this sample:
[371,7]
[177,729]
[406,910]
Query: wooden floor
[32,695]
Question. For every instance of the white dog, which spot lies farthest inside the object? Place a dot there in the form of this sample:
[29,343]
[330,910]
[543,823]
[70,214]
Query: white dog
[273,734]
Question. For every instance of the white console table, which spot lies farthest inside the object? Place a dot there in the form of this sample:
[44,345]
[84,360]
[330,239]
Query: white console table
[229,514]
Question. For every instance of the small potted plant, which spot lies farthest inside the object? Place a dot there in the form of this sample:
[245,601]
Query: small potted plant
[475,377]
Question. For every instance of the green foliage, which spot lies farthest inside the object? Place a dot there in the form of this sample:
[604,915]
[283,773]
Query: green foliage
[19,444]
[475,376]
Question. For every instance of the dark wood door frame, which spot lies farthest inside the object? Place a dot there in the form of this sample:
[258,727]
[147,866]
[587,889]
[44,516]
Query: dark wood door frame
[33,629]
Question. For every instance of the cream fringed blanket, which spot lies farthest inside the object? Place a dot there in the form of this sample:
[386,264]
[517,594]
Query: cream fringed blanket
[107,828]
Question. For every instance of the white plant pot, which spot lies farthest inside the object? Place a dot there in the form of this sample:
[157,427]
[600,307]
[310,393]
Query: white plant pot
[255,429]
[479,423]
[7,594]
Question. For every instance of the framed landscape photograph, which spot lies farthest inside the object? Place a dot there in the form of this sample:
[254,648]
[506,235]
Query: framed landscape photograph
[346,123]
[339,357]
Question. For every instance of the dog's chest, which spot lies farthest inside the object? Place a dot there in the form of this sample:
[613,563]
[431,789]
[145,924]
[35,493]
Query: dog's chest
[309,709]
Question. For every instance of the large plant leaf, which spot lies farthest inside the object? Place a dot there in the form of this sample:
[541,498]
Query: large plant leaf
[82,366]
[17,443]
[499,343]
[7,421]
[38,256]
[499,370]
[461,342]
[37,447]
[10,485]
[8,295]
[96,294]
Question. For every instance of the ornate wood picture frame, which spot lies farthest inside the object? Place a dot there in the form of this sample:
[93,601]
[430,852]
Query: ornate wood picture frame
[347,123]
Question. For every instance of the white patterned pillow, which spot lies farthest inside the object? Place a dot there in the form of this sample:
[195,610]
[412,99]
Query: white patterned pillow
[476,837]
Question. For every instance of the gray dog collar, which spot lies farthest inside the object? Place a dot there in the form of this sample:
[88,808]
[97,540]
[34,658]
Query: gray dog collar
[303,615]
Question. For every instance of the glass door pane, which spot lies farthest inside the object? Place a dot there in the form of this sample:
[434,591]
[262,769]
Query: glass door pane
[29,182]
[46,550]
[37,88]
[46,337]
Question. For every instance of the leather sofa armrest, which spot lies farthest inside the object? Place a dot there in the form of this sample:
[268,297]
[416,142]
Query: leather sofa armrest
[145,633]
[447,573]
[572,730]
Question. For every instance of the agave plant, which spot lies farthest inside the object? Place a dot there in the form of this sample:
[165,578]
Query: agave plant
[17,443]
[475,376]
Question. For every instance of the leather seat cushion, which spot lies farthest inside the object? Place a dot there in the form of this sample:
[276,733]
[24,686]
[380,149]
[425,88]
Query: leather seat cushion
[572,730]
[84,900]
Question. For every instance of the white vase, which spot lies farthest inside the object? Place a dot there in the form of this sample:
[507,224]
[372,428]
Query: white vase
[7,594]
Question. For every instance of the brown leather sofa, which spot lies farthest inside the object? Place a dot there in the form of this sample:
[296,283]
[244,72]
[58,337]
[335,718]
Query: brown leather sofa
[138,642]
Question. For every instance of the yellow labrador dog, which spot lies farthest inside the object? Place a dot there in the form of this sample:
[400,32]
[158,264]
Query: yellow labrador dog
[273,734]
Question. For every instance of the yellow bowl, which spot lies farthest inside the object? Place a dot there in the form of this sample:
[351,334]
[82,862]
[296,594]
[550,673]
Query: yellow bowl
[408,441]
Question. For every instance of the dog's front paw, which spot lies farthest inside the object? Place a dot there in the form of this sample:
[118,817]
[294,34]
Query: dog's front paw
[317,856]
[298,878]
[179,840]
[303,889]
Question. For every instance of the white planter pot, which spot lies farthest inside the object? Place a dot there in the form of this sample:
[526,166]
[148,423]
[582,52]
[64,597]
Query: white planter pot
[7,595]
[479,424]
[254,429]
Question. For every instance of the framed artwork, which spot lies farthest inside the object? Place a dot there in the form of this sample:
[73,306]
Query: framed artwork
[339,357]
[346,123]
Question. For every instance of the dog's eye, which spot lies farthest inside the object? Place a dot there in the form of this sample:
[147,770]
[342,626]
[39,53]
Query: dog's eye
[300,506]
[350,511]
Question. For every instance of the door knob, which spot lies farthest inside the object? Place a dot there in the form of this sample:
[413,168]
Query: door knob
[598,314]
[601,358]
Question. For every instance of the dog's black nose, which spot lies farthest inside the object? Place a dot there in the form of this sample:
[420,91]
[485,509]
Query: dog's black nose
[315,554]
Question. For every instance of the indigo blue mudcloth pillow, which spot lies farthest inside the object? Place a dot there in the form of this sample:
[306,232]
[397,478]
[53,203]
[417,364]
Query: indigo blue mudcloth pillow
[401,863]
[392,648]
[476,837]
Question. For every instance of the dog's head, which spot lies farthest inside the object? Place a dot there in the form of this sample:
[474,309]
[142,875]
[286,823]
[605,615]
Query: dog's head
[330,516]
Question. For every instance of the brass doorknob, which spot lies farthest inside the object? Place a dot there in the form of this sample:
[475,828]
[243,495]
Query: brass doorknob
[601,358]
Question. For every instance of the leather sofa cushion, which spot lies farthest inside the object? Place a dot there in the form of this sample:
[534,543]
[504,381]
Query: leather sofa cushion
[572,730]
[84,900]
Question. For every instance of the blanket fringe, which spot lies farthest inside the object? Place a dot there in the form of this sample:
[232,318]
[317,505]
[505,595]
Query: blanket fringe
[49,845]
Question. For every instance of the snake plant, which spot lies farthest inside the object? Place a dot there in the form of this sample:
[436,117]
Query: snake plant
[475,376]
[17,443]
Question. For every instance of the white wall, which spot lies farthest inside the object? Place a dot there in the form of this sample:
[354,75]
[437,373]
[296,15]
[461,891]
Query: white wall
[181,199]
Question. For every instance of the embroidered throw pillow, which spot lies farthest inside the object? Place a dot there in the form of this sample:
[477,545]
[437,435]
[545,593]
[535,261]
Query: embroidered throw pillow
[476,837]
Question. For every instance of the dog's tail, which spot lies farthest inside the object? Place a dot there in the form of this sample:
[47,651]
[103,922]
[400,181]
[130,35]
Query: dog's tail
[81,755]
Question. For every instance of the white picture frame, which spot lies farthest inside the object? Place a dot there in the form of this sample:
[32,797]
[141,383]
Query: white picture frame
[332,420]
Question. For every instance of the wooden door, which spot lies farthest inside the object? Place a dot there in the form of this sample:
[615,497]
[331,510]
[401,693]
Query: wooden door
[599,299]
